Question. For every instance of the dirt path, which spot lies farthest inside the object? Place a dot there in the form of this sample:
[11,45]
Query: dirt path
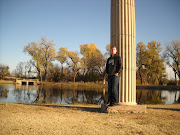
[34,119]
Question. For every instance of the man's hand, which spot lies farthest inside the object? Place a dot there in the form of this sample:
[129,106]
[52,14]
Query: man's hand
[116,74]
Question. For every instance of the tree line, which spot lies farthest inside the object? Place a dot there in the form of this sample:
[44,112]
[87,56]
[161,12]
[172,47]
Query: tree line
[88,65]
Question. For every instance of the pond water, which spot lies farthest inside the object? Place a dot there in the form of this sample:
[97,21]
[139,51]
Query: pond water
[11,93]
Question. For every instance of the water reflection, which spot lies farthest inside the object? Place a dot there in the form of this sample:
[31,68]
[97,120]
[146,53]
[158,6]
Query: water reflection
[150,97]
[59,95]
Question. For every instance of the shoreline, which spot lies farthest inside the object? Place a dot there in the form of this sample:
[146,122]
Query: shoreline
[98,85]
[159,87]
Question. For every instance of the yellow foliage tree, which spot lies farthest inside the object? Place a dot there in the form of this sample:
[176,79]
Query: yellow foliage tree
[42,53]
[150,64]
[92,58]
[140,60]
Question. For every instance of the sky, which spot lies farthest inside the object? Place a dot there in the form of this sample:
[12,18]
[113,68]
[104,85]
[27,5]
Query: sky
[70,23]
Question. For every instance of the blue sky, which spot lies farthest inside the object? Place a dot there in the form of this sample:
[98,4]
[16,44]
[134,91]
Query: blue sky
[71,23]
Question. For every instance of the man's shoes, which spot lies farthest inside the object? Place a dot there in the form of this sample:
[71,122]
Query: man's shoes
[108,103]
[115,104]
[112,104]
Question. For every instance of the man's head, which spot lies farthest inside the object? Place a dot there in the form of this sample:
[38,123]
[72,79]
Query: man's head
[113,50]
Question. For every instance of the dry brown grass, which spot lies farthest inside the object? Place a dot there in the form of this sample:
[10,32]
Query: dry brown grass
[86,119]
[6,82]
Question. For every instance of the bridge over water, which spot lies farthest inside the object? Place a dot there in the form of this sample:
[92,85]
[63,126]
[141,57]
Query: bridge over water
[27,81]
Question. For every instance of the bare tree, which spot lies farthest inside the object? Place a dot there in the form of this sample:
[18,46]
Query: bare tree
[172,56]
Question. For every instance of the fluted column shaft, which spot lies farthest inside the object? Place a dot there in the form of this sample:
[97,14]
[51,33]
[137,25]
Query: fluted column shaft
[123,36]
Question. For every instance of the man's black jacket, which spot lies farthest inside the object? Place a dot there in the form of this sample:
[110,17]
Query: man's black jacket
[117,65]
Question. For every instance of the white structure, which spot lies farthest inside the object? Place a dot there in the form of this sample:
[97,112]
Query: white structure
[123,35]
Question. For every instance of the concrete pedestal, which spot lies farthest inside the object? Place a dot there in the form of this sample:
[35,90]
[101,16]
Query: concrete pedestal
[123,109]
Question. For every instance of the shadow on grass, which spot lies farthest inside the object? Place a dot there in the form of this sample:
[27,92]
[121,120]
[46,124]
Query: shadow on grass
[74,107]
[171,109]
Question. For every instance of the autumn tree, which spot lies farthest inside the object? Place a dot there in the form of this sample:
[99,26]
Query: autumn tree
[62,56]
[42,53]
[172,56]
[150,64]
[92,58]
[74,63]
[37,57]
[154,63]
[54,73]
[140,60]
[4,71]
[83,69]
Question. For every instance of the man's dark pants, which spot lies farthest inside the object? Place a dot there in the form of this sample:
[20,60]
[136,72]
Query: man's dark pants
[113,82]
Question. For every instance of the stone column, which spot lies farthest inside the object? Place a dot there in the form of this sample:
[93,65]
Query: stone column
[123,36]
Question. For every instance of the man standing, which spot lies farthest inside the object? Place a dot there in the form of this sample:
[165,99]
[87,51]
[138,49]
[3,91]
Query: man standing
[113,67]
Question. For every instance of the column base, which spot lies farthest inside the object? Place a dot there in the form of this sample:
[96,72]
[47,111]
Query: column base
[127,103]
[123,109]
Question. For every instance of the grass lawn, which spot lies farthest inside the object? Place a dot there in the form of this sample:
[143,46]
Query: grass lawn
[81,119]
